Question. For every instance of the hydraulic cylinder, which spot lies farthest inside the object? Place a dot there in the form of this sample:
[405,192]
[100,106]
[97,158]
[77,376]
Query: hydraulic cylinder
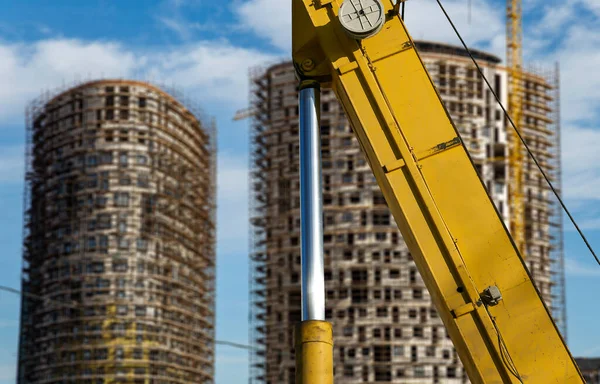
[314,336]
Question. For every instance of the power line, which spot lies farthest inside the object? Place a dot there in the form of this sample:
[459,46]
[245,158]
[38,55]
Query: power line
[235,345]
[560,200]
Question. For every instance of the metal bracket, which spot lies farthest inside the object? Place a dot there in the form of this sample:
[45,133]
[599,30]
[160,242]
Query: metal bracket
[399,163]
[491,296]
[463,310]
[322,3]
[396,9]
[394,48]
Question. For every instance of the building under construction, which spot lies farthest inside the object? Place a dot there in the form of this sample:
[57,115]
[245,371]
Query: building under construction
[385,326]
[119,253]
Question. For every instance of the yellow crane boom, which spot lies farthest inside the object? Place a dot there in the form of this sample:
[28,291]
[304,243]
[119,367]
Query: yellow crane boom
[473,269]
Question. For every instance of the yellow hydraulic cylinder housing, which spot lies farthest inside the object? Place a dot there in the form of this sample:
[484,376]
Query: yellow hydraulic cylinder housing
[495,316]
[314,352]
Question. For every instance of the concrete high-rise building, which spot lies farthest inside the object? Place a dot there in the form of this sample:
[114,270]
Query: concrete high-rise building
[590,368]
[385,326]
[119,250]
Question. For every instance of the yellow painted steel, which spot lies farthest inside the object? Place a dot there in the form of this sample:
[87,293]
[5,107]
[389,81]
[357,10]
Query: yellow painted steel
[314,352]
[455,235]
[514,57]
[126,341]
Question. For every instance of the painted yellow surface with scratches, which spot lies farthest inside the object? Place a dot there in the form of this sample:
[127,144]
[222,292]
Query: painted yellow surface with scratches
[446,217]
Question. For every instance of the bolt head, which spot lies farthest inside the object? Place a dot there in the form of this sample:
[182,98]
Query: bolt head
[308,65]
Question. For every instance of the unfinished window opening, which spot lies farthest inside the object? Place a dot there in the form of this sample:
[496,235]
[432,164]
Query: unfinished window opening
[347,217]
[413,276]
[121,199]
[359,276]
[360,296]
[124,180]
[378,198]
[383,373]
[350,239]
[430,351]
[451,371]
[418,331]
[123,243]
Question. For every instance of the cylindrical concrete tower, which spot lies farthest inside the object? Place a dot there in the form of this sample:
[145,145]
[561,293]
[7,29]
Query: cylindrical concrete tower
[386,328]
[119,249]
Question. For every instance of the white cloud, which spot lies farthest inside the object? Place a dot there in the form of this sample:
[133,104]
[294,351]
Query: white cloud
[12,164]
[208,70]
[589,224]
[580,87]
[46,64]
[568,32]
[179,27]
[564,34]
[582,184]
[592,5]
[424,20]
[45,30]
[185,29]
[578,44]
[269,19]
[578,53]
[574,267]
[586,212]
[581,163]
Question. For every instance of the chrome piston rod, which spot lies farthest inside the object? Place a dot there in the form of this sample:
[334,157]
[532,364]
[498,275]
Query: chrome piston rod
[311,203]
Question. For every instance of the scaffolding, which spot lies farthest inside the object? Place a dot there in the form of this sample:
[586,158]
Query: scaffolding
[119,237]
[385,326]
[257,235]
[540,125]
[557,255]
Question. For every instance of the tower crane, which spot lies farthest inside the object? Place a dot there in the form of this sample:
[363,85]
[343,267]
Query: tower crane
[514,58]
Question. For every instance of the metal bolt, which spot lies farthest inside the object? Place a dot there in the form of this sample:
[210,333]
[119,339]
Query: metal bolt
[308,65]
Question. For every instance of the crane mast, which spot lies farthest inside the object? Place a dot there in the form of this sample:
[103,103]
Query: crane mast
[514,57]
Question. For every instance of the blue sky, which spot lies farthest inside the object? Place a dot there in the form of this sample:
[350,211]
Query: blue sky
[205,48]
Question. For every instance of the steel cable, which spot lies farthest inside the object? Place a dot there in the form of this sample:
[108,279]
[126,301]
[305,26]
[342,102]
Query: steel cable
[554,191]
